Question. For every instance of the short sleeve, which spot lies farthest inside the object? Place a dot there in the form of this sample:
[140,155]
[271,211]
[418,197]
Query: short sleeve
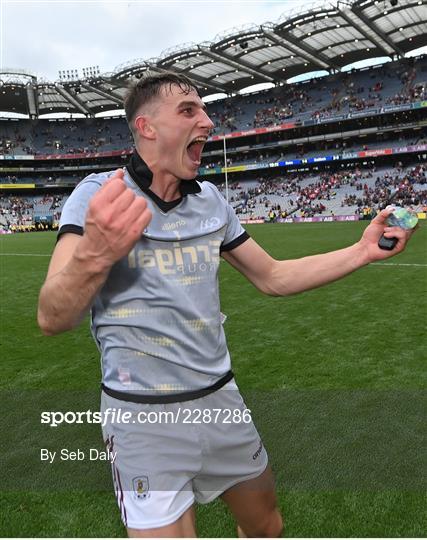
[73,214]
[235,234]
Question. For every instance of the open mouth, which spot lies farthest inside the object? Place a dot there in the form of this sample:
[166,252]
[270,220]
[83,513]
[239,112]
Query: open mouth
[195,148]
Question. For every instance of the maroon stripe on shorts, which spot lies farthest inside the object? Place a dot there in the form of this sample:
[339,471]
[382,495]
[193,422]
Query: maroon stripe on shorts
[118,486]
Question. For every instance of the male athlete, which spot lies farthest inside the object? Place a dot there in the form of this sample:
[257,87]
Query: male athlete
[140,248]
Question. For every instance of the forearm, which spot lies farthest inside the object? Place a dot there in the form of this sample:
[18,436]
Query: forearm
[294,276]
[115,221]
[67,296]
[283,278]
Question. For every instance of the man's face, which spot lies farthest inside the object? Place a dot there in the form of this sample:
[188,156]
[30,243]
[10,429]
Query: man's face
[181,127]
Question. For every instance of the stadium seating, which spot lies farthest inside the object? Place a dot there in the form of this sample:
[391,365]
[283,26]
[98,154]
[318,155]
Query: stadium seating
[336,192]
[300,195]
[392,83]
[266,193]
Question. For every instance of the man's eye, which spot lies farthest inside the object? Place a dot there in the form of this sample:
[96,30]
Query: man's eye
[188,110]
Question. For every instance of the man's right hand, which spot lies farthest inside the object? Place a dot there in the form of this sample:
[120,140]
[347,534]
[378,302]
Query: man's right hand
[115,220]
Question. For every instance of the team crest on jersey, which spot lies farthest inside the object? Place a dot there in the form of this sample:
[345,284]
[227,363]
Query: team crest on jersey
[141,487]
[210,223]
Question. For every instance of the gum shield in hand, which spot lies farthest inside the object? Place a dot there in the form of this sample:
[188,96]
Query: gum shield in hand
[400,217]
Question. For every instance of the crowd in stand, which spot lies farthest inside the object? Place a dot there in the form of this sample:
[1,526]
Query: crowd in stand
[29,227]
[319,98]
[312,199]
[43,178]
[227,117]
[51,201]
[358,98]
[410,92]
[307,200]
[256,202]
[68,138]
[293,100]
[17,213]
[349,97]
[300,151]
[16,206]
[9,179]
[74,141]
[344,92]
[400,184]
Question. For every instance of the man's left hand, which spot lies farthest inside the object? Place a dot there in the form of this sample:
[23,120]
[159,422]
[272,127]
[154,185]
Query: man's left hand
[378,226]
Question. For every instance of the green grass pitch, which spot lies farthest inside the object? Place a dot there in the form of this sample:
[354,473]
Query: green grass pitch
[335,377]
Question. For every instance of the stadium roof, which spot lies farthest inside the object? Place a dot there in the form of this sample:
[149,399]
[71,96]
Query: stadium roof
[325,36]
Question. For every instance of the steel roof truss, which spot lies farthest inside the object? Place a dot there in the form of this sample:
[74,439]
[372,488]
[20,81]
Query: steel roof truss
[380,36]
[73,100]
[237,65]
[114,86]
[289,46]
[199,81]
[108,97]
[313,54]
[32,101]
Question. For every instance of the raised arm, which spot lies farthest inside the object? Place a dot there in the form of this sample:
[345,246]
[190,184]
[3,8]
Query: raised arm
[283,278]
[80,265]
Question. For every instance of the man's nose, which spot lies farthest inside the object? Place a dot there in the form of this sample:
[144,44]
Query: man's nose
[205,121]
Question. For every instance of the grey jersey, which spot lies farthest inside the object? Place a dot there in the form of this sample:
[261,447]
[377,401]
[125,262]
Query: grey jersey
[157,318]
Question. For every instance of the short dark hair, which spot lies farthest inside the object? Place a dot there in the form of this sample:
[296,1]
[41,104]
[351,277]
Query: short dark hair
[148,88]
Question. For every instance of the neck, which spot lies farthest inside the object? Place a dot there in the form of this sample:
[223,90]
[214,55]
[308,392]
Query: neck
[166,187]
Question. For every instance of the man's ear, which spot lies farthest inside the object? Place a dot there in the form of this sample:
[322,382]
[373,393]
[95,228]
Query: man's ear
[144,128]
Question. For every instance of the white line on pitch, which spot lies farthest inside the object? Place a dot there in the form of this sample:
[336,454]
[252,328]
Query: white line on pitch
[26,254]
[397,264]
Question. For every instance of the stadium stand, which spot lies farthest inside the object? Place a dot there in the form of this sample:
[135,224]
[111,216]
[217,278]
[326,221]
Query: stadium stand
[333,146]
[394,83]
[331,194]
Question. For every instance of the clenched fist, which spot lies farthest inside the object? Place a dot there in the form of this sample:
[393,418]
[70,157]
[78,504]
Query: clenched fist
[115,220]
